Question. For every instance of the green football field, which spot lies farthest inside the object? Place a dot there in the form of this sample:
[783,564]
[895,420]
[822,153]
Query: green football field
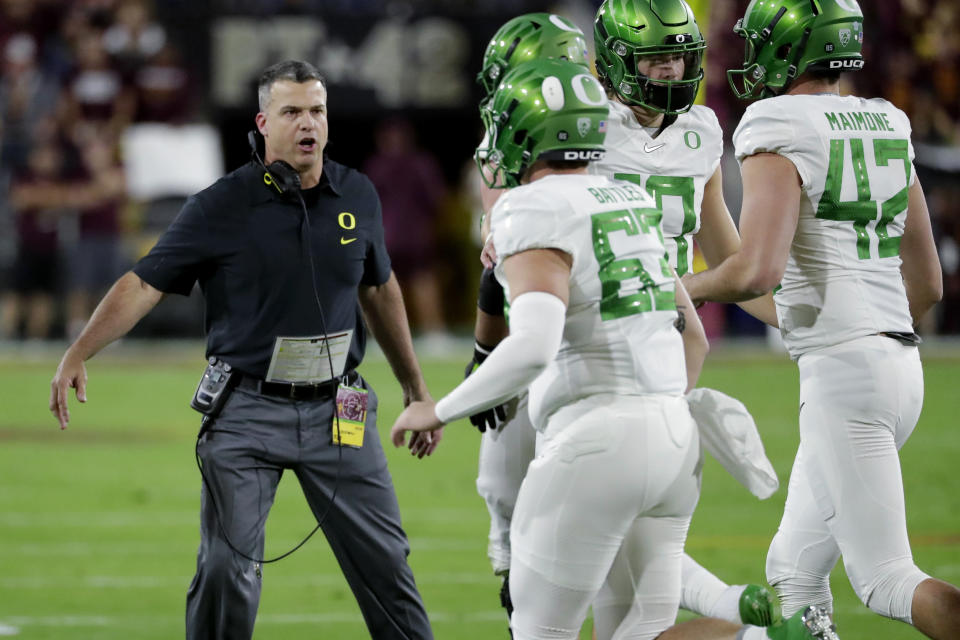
[99,524]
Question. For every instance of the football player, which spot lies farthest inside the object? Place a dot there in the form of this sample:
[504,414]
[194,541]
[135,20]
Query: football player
[648,55]
[508,440]
[835,222]
[594,310]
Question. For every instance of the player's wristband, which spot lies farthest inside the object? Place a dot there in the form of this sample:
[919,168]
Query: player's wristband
[490,299]
[480,353]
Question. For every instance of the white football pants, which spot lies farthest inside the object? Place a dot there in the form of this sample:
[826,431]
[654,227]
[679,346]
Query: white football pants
[602,517]
[859,402]
[505,455]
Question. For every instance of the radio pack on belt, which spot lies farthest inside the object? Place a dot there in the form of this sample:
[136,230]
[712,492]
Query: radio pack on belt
[214,387]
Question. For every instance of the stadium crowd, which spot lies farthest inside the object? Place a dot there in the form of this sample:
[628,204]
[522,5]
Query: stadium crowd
[75,76]
[77,73]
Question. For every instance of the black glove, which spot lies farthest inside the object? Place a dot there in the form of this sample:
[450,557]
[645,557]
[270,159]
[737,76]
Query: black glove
[491,418]
[505,600]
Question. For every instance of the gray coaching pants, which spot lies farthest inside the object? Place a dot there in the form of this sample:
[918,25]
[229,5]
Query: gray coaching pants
[244,454]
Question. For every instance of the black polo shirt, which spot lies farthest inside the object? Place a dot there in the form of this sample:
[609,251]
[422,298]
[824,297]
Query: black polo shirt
[241,240]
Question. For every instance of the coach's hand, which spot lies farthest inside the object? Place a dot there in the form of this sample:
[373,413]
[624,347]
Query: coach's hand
[70,373]
[419,417]
[425,443]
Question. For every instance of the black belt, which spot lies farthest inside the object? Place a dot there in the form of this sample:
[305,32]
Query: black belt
[298,390]
[909,339]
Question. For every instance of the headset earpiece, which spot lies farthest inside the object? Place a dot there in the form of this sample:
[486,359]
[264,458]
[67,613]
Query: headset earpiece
[285,177]
[280,175]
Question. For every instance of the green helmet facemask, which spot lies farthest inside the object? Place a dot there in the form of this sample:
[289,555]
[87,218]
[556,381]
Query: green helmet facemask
[784,38]
[545,109]
[625,31]
[530,37]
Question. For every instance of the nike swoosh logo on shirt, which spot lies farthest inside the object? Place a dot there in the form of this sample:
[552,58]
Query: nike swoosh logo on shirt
[346,241]
[654,148]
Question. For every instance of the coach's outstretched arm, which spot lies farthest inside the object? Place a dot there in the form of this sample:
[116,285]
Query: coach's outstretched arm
[128,300]
[387,320]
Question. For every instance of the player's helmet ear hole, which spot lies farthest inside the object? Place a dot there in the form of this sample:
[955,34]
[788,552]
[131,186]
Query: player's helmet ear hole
[519,136]
[784,51]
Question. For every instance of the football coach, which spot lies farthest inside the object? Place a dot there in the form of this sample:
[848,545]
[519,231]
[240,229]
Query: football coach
[289,253]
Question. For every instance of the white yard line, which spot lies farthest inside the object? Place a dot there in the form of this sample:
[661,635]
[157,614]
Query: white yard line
[81,549]
[163,582]
[113,519]
[474,617]
[98,519]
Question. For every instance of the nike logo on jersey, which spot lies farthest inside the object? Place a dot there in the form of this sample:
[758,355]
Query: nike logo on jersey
[347,240]
[650,149]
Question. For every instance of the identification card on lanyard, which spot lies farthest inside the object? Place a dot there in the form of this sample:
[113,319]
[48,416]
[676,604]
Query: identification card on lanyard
[351,416]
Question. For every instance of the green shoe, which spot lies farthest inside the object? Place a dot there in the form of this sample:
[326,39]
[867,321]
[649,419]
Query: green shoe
[758,606]
[813,623]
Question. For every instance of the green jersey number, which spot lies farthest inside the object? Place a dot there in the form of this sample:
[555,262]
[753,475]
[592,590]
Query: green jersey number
[646,295]
[863,210]
[660,186]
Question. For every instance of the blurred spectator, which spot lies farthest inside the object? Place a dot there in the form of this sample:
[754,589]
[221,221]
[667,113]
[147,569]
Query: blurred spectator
[95,260]
[411,188]
[40,19]
[27,95]
[38,200]
[163,89]
[97,102]
[134,37]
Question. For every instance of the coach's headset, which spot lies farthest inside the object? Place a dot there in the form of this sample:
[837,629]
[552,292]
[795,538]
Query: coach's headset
[285,179]
[279,174]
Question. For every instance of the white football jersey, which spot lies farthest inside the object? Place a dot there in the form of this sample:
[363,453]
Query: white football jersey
[673,167]
[619,335]
[855,161]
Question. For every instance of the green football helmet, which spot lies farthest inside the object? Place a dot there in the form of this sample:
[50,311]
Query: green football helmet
[529,37]
[784,38]
[544,109]
[626,30]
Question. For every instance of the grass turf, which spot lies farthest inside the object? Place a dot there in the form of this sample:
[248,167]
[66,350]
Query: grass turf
[98,524]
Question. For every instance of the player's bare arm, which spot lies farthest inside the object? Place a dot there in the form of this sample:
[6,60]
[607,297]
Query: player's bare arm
[489,329]
[121,309]
[695,344]
[718,238]
[536,328]
[922,277]
[768,220]
[488,198]
[387,319]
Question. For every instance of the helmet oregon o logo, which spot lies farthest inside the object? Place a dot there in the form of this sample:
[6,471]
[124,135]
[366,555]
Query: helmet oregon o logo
[588,90]
[346,220]
[692,138]
[560,23]
[847,5]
